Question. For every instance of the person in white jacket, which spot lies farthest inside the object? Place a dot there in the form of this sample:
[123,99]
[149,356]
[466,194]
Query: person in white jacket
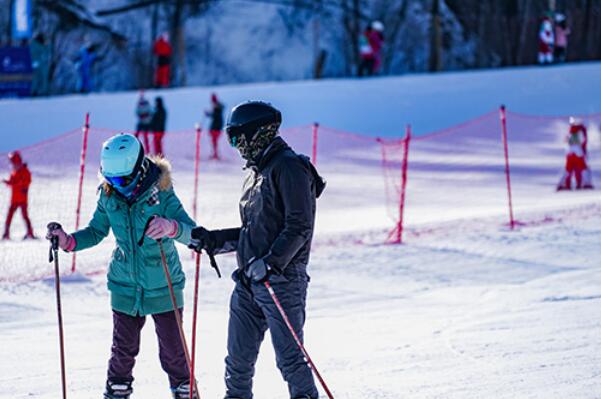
[546,40]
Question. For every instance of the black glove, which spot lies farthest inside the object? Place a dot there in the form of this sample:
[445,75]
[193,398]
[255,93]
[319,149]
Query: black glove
[258,271]
[202,239]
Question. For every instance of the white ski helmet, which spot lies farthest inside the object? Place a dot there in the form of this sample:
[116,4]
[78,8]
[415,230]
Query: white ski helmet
[377,26]
[574,121]
[121,156]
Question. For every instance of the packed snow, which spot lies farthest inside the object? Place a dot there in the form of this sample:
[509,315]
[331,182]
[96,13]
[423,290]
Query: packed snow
[374,107]
[466,308]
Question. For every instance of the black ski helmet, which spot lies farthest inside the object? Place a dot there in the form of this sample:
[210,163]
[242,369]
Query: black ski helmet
[246,119]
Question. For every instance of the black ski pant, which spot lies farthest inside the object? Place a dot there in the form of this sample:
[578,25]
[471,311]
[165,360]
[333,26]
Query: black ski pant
[126,345]
[252,312]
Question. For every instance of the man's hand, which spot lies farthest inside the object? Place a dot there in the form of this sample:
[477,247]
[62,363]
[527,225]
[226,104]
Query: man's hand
[258,271]
[202,239]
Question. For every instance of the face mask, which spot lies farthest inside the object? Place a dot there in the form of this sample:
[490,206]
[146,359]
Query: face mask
[261,140]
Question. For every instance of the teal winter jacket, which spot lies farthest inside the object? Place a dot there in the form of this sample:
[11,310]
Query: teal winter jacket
[136,278]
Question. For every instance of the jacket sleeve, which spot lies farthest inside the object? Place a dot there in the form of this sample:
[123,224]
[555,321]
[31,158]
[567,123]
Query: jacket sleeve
[226,240]
[96,231]
[294,185]
[174,210]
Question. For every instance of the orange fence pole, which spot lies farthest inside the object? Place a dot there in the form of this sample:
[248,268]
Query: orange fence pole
[82,169]
[503,115]
[404,167]
[196,167]
[314,152]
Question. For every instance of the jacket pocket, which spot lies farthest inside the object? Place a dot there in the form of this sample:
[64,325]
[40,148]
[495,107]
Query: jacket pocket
[119,270]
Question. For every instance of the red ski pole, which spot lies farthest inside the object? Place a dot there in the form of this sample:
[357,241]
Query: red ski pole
[57,283]
[195,312]
[178,317]
[296,339]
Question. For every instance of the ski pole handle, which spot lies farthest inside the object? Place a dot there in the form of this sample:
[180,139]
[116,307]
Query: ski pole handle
[214,263]
[141,241]
[54,240]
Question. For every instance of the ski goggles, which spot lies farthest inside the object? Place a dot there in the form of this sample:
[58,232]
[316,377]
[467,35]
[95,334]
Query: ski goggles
[233,134]
[120,181]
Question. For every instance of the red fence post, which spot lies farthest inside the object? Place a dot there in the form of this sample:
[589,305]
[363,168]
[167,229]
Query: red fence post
[196,167]
[404,165]
[82,169]
[503,115]
[314,153]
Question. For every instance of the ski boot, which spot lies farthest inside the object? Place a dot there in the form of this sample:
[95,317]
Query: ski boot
[183,391]
[118,390]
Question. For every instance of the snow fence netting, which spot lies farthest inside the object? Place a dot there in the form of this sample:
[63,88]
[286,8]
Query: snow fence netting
[452,174]
[460,172]
[351,204]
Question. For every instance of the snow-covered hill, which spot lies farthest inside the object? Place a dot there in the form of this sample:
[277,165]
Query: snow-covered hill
[376,107]
[465,309]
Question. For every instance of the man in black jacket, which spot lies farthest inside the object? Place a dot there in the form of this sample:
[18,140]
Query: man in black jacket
[277,209]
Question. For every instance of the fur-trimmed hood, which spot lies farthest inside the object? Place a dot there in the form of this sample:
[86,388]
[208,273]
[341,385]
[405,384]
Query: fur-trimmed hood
[165,181]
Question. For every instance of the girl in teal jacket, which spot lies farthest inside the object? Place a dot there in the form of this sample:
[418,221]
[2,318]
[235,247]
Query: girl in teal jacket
[137,189]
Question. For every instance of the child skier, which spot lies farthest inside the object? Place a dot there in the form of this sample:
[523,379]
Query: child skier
[576,158]
[19,181]
[137,189]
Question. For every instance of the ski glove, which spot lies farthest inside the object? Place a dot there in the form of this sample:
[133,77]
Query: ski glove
[202,239]
[66,242]
[161,227]
[258,271]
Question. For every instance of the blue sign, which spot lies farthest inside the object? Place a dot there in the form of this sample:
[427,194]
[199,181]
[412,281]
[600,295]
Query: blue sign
[15,72]
[21,19]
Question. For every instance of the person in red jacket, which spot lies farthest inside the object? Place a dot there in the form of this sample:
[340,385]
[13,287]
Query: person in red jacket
[370,49]
[576,158]
[162,49]
[19,182]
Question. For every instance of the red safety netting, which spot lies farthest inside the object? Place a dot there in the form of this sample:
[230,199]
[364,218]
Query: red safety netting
[469,171]
[452,174]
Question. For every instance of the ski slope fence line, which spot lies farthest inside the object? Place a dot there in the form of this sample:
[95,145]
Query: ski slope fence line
[493,160]
[419,172]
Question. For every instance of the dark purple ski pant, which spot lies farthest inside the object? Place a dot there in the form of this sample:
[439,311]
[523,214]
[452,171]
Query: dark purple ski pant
[126,345]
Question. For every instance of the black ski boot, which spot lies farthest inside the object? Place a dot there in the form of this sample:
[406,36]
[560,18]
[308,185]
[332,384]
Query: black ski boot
[183,391]
[118,390]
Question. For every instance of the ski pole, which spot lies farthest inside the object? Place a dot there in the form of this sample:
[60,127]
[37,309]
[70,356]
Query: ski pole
[178,318]
[194,313]
[53,257]
[298,342]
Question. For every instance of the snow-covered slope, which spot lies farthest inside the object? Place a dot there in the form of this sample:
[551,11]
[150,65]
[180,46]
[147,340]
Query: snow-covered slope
[376,107]
[465,309]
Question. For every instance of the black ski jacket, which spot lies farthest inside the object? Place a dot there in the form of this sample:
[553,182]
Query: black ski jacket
[277,209]
[159,120]
[216,116]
